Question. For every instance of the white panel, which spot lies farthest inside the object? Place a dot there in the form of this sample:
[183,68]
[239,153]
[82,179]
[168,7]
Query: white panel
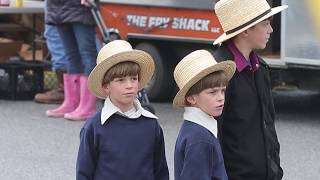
[300,43]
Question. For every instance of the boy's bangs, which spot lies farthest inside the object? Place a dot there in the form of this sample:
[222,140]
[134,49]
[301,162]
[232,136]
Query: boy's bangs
[121,70]
[215,79]
[126,69]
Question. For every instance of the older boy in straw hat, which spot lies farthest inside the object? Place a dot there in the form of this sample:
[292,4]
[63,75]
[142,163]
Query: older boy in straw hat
[248,137]
[202,82]
[123,141]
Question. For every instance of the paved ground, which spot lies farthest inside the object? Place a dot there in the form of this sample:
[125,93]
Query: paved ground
[34,147]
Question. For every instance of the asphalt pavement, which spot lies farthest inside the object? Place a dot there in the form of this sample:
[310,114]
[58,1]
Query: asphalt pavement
[35,147]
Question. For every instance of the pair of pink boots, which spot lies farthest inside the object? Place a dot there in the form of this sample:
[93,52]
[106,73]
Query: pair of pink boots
[78,102]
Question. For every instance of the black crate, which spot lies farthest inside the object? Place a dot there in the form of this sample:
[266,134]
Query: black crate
[21,80]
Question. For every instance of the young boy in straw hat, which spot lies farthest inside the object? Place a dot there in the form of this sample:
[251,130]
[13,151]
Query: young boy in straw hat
[202,82]
[248,137]
[123,141]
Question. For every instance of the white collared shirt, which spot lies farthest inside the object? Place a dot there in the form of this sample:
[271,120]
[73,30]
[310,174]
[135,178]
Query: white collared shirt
[109,109]
[197,116]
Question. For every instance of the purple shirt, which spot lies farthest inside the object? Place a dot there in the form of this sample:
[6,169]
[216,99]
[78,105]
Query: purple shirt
[240,60]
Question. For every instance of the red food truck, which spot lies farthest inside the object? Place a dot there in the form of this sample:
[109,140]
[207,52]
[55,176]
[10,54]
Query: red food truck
[170,29]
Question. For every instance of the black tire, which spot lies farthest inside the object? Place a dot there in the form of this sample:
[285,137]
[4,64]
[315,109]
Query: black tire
[161,85]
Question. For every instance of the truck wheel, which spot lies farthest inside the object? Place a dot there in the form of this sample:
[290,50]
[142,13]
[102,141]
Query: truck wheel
[161,85]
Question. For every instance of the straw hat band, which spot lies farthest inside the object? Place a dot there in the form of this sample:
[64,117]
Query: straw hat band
[249,22]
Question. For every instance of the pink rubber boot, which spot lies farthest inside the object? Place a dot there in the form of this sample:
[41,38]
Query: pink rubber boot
[71,96]
[87,105]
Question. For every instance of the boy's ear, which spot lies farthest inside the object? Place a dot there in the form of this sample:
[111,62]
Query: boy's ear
[191,100]
[106,88]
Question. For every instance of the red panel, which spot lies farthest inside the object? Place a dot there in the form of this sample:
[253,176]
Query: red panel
[161,21]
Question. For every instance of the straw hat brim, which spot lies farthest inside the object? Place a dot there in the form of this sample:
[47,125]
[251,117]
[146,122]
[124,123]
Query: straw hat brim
[273,11]
[143,59]
[228,67]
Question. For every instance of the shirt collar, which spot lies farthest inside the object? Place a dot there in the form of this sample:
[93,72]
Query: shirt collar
[197,116]
[240,60]
[109,109]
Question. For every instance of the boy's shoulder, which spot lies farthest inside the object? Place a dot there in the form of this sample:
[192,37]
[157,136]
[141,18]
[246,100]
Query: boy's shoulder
[222,53]
[93,120]
[149,120]
[195,133]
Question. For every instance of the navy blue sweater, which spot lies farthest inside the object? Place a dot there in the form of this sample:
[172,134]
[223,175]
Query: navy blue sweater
[121,149]
[198,154]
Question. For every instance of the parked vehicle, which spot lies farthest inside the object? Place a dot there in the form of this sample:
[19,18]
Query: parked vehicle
[170,29]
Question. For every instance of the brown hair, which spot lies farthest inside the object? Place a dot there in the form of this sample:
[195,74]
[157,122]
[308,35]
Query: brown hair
[122,69]
[215,79]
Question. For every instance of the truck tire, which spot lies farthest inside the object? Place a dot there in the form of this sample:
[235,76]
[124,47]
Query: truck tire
[161,85]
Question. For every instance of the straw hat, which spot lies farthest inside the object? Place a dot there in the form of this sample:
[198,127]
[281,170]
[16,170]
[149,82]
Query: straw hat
[236,16]
[193,68]
[116,52]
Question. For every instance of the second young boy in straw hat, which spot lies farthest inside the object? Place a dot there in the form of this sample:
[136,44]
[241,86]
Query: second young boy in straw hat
[202,82]
[248,137]
[123,141]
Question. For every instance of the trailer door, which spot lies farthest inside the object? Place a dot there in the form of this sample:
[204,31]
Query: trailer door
[300,34]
